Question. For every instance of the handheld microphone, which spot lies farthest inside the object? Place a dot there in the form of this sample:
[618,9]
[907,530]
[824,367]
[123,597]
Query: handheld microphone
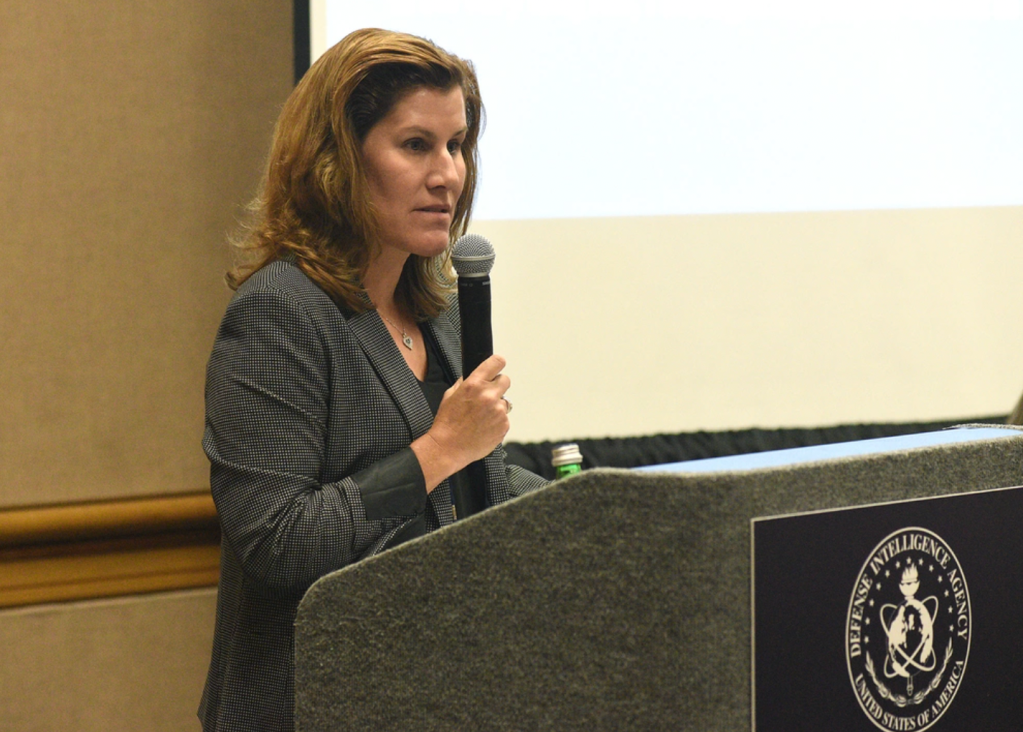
[472,257]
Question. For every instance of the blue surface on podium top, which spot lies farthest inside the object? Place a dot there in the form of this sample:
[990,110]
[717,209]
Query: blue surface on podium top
[798,455]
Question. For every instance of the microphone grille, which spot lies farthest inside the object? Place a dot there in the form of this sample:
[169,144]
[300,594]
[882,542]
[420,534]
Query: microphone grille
[472,256]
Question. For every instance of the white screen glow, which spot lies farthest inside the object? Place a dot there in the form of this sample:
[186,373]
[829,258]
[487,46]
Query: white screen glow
[653,110]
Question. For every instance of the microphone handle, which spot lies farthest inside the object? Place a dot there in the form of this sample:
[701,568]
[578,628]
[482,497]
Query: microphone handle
[477,347]
[474,309]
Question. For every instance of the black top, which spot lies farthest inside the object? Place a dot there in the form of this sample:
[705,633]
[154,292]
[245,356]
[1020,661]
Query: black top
[438,381]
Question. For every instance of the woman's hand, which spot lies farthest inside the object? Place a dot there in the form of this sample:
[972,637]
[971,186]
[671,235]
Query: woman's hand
[471,421]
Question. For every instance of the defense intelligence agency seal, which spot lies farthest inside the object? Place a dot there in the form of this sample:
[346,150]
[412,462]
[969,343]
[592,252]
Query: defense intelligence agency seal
[908,631]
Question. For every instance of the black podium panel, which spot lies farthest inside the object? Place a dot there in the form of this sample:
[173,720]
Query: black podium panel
[900,616]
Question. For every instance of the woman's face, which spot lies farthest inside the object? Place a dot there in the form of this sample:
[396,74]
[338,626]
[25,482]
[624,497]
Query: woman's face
[415,170]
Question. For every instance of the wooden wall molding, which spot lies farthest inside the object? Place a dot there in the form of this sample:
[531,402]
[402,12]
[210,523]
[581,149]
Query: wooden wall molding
[108,548]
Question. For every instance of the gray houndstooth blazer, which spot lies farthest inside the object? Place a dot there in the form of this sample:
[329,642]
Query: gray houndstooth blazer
[309,416]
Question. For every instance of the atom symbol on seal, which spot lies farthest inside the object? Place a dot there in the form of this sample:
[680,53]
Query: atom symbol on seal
[910,630]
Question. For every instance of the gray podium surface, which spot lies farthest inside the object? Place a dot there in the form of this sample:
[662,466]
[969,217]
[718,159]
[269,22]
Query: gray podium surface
[612,600]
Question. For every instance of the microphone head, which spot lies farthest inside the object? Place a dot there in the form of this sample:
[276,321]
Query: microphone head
[472,256]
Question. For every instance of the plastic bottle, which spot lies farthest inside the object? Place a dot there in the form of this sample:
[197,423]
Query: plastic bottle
[567,460]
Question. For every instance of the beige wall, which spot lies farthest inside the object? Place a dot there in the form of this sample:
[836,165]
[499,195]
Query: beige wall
[619,327]
[127,665]
[130,134]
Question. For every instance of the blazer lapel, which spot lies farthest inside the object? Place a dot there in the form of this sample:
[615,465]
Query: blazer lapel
[401,384]
[449,341]
[394,373]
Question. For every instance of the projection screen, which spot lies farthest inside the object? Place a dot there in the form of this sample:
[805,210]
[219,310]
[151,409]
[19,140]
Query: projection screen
[801,211]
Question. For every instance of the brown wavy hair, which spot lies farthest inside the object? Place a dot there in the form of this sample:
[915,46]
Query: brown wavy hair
[314,204]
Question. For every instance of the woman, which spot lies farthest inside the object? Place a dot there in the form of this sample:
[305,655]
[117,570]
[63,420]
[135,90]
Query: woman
[336,424]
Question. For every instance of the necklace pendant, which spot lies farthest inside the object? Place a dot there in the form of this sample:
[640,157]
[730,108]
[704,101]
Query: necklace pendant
[407,340]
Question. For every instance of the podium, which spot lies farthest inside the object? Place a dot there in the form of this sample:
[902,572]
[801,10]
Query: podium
[625,599]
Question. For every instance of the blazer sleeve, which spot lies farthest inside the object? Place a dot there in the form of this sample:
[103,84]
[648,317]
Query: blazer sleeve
[267,406]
